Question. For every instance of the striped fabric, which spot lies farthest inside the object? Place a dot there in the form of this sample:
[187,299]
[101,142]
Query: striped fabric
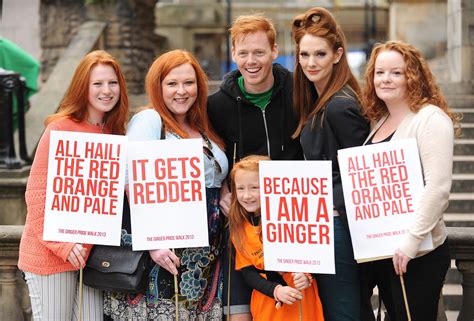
[55,297]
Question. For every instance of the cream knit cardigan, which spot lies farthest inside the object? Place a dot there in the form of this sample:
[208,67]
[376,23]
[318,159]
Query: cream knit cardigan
[434,133]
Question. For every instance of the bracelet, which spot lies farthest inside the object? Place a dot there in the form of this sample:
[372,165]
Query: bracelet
[275,296]
[278,303]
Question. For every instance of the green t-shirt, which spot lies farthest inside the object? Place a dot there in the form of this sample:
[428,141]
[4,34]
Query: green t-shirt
[261,100]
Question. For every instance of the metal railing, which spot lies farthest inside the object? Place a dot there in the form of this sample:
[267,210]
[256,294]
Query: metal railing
[12,92]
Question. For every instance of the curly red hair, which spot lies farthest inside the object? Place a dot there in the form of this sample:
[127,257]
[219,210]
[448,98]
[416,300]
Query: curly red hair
[421,85]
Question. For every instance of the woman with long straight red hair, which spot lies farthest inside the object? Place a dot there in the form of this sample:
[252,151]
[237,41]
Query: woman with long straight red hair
[96,102]
[326,97]
[177,90]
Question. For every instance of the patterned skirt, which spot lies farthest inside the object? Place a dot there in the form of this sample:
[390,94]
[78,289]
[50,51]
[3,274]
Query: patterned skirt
[199,281]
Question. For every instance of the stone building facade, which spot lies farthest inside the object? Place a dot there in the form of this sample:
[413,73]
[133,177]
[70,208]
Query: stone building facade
[129,35]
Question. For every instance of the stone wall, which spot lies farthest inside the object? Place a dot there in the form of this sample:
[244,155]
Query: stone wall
[59,22]
[461,40]
[129,35]
[428,19]
[14,28]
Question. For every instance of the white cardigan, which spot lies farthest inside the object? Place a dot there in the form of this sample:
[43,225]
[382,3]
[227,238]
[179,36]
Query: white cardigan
[434,133]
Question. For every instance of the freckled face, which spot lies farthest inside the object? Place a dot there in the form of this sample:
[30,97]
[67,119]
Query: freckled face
[317,60]
[248,190]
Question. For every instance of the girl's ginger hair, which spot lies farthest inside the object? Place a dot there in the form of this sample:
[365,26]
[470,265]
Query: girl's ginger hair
[319,22]
[237,214]
[197,114]
[75,102]
[421,85]
[248,24]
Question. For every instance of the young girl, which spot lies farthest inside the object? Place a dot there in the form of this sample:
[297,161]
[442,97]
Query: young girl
[276,295]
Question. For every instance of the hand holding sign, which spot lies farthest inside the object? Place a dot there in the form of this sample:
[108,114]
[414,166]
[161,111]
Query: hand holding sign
[77,256]
[84,197]
[287,294]
[167,195]
[166,259]
[297,216]
[300,281]
[400,262]
[382,186]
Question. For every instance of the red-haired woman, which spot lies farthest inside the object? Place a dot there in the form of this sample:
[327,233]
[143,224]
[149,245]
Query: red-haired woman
[96,102]
[326,97]
[177,91]
[402,98]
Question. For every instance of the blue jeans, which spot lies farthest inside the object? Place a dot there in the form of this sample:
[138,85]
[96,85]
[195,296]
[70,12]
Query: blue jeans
[340,292]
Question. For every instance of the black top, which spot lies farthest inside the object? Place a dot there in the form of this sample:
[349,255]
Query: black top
[370,141]
[253,278]
[339,125]
[246,128]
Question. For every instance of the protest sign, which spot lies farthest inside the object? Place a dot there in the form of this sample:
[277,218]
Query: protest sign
[167,194]
[297,216]
[85,184]
[382,186]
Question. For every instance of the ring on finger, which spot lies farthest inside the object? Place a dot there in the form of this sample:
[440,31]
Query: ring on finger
[292,295]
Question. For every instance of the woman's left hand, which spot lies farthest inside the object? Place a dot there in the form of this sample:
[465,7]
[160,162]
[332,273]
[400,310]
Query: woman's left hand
[166,259]
[77,256]
[400,262]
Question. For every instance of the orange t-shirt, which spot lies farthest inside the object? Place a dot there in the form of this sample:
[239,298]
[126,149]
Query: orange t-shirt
[262,307]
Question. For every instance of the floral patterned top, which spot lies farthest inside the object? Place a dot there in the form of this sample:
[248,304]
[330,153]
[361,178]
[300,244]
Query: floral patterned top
[199,277]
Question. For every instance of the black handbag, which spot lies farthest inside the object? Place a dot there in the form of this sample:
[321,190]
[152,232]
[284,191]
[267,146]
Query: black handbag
[117,269]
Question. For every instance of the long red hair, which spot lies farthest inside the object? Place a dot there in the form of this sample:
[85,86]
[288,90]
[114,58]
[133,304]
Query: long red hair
[421,85]
[237,214]
[74,103]
[319,22]
[197,114]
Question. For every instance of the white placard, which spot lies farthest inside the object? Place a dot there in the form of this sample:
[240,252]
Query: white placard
[382,186]
[85,184]
[297,216]
[167,194]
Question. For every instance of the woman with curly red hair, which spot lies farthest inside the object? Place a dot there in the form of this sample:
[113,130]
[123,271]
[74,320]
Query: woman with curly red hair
[402,99]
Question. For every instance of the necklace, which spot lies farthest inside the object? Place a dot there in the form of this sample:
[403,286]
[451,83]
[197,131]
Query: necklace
[100,125]
[254,225]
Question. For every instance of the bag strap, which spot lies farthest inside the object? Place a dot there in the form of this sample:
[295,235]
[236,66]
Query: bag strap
[162,132]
